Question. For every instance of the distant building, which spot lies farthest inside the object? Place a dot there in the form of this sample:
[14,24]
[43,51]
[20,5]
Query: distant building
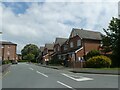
[48,51]
[8,50]
[18,57]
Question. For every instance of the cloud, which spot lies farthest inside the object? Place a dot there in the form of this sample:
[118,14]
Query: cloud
[42,22]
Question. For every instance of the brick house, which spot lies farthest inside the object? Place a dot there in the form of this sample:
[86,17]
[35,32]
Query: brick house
[47,53]
[78,45]
[18,57]
[57,47]
[8,50]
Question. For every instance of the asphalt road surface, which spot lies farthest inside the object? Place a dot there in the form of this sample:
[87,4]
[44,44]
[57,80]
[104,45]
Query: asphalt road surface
[25,75]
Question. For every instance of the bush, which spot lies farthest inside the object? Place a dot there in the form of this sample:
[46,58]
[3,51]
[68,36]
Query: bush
[6,62]
[98,62]
[92,53]
[55,61]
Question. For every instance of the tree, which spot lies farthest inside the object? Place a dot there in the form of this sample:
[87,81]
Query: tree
[106,47]
[29,57]
[113,32]
[29,50]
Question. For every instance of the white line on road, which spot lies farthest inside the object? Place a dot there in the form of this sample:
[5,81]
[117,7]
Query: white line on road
[41,73]
[77,78]
[31,68]
[65,85]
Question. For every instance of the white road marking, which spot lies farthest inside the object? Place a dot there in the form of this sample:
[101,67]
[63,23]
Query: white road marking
[41,73]
[31,68]
[65,85]
[77,78]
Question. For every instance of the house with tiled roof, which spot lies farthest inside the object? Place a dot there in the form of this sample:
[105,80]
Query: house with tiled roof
[47,52]
[80,42]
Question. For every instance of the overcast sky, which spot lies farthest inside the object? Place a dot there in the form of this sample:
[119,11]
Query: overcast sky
[42,22]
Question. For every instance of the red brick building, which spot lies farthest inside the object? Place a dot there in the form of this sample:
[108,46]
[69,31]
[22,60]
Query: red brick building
[78,45]
[8,50]
[47,53]
[57,47]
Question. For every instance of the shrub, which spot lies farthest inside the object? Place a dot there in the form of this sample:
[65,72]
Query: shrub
[98,62]
[92,53]
[6,62]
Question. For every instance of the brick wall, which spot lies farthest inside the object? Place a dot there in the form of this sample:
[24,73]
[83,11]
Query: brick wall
[9,52]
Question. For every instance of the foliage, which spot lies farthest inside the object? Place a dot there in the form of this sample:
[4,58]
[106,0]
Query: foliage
[106,47]
[98,62]
[55,61]
[113,32]
[30,52]
[6,62]
[92,53]
[29,57]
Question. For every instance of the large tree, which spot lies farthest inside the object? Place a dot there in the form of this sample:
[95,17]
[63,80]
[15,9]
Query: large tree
[113,33]
[30,50]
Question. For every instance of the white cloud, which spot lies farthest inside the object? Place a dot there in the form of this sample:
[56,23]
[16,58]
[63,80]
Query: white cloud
[41,24]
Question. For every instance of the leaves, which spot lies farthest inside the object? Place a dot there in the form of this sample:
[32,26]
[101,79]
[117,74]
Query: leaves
[113,33]
[30,50]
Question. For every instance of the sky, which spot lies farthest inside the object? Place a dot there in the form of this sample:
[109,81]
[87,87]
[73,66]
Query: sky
[41,22]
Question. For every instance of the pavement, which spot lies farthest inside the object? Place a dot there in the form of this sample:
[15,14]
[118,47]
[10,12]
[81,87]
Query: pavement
[85,70]
[25,75]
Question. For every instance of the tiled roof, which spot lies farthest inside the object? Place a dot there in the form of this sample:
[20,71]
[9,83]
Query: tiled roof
[86,34]
[7,43]
[49,46]
[60,41]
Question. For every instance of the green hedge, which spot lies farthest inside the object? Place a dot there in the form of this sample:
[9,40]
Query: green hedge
[6,62]
[98,62]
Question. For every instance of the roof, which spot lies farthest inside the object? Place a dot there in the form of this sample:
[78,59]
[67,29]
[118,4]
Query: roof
[41,49]
[49,46]
[60,41]
[7,43]
[86,34]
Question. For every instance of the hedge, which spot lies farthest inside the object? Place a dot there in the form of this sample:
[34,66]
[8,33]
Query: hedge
[98,62]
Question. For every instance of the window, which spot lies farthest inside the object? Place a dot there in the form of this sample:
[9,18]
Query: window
[9,46]
[58,48]
[71,44]
[65,47]
[78,42]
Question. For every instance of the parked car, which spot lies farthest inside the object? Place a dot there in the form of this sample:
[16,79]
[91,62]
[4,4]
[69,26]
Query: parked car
[14,62]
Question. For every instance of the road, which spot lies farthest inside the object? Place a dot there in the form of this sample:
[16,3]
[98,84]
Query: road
[25,75]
